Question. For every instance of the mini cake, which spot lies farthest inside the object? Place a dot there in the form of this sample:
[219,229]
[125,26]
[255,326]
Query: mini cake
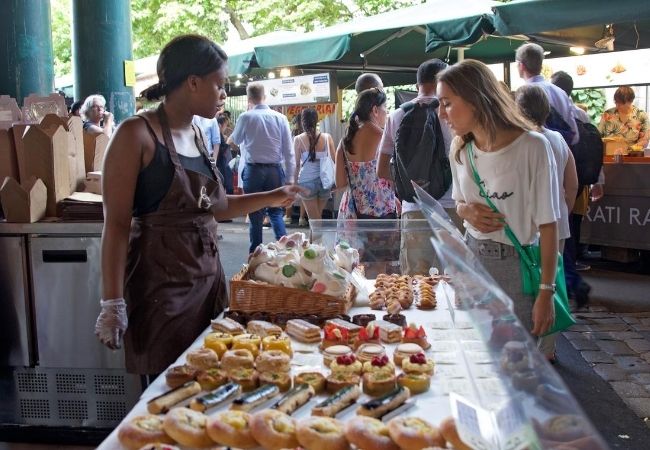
[333,335]
[415,335]
[363,319]
[331,353]
[315,379]
[418,364]
[366,352]
[405,351]
[338,380]
[378,383]
[282,343]
[367,335]
[416,382]
[397,319]
[379,364]
[250,342]
[347,363]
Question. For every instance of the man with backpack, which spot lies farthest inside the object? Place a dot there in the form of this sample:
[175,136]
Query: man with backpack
[418,143]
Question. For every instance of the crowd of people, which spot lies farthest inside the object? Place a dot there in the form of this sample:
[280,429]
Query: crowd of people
[512,178]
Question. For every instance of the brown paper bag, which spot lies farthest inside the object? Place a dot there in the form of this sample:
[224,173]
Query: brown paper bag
[74,129]
[23,203]
[94,149]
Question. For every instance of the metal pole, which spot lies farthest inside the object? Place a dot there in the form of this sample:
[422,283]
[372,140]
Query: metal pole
[101,43]
[26,49]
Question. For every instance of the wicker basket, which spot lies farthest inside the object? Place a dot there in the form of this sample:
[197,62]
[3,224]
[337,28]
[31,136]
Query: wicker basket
[253,296]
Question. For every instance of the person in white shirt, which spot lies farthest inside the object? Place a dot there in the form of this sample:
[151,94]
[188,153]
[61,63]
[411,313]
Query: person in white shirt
[416,253]
[516,167]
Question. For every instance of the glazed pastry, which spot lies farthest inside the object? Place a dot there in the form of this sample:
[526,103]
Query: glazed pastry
[215,398]
[237,359]
[426,298]
[142,430]
[273,361]
[384,404]
[352,329]
[249,342]
[377,300]
[163,403]
[281,379]
[378,383]
[337,402]
[315,379]
[231,428]
[346,364]
[367,352]
[369,433]
[418,364]
[262,328]
[219,342]
[282,343]
[405,351]
[254,399]
[295,398]
[415,335]
[367,335]
[179,375]
[322,433]
[227,326]
[363,319]
[202,359]
[514,357]
[413,433]
[212,378]
[397,319]
[187,427]
[303,331]
[248,379]
[333,352]
[274,430]
[450,434]
[339,380]
[389,332]
[417,383]
[333,335]
[379,364]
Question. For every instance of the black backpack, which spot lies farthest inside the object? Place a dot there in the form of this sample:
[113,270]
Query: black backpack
[419,153]
[588,153]
[556,122]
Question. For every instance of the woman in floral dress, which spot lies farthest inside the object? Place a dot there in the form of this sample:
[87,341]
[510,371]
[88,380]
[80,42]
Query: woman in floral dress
[625,120]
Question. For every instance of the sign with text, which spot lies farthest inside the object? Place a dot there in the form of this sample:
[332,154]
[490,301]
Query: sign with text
[619,221]
[300,90]
[323,110]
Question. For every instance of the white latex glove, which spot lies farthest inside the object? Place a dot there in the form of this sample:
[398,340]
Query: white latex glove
[111,323]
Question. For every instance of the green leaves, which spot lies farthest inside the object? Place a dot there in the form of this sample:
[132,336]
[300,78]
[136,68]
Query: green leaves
[593,99]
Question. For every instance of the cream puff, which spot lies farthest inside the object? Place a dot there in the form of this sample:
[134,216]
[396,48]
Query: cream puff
[369,433]
[187,427]
[232,429]
[142,430]
[274,430]
[202,358]
[413,433]
[322,433]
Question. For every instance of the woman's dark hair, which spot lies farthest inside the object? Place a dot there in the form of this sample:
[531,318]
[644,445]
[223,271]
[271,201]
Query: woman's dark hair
[362,109]
[624,94]
[183,56]
[76,106]
[221,119]
[309,120]
[533,103]
[296,126]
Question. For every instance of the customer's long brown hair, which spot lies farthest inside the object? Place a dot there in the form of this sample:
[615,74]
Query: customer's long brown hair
[495,109]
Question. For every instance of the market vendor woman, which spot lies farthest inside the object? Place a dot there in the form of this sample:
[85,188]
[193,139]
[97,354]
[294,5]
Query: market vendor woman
[625,120]
[162,199]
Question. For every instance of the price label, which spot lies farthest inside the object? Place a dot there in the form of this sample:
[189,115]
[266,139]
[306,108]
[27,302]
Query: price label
[474,424]
[514,431]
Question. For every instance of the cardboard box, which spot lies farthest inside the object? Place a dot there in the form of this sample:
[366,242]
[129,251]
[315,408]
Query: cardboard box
[18,131]
[24,203]
[74,129]
[9,112]
[615,146]
[8,161]
[46,157]
[93,183]
[36,107]
[94,149]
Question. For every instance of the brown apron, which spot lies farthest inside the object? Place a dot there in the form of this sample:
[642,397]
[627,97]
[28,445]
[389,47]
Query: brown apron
[174,279]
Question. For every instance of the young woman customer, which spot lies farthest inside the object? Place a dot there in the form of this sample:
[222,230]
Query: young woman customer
[310,148]
[162,280]
[516,169]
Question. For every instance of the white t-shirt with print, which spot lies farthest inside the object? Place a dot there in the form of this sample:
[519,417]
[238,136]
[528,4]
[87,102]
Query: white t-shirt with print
[518,179]
[561,153]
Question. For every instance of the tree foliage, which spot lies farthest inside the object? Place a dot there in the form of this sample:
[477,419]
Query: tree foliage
[155,22]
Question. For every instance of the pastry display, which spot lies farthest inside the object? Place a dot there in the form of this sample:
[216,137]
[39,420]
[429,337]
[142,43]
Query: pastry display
[405,351]
[227,326]
[213,399]
[413,433]
[367,352]
[346,364]
[164,402]
[322,433]
[202,358]
[263,328]
[248,379]
[333,352]
[219,342]
[388,332]
[231,428]
[315,379]
[367,335]
[396,319]
[339,380]
[281,342]
[247,341]
[212,378]
[303,331]
[384,404]
[352,329]
[393,307]
[363,319]
[255,398]
[280,379]
[142,430]
[333,335]
[187,427]
[379,364]
[237,359]
[273,361]
[425,295]
[337,402]
[378,382]
[450,434]
[417,383]
[179,375]
[565,428]
[274,430]
[295,398]
[369,433]
[393,292]
[514,357]
[415,335]
[418,363]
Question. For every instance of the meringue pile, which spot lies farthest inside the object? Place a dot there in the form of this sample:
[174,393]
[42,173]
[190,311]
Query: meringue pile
[296,263]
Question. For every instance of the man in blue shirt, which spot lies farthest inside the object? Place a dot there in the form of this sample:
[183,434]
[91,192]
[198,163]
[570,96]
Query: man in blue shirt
[211,133]
[267,148]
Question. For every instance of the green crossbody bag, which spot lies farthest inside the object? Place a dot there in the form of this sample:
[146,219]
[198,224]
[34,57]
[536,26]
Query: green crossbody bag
[530,263]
